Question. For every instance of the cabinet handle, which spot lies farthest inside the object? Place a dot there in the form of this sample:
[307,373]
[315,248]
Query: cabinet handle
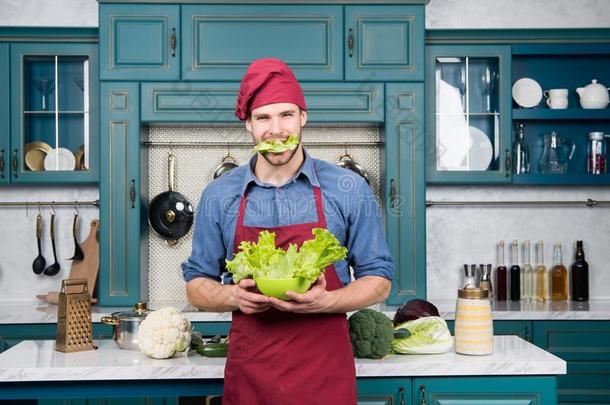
[393,199]
[422,389]
[350,42]
[132,193]
[401,391]
[507,164]
[528,337]
[173,42]
[1,163]
[15,165]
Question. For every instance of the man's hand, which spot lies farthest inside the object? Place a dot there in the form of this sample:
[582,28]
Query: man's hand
[248,299]
[317,299]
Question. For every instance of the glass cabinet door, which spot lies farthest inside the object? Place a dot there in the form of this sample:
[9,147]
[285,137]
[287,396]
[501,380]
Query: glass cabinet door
[469,115]
[55,138]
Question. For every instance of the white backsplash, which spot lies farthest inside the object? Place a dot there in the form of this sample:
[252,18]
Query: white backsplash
[18,238]
[459,235]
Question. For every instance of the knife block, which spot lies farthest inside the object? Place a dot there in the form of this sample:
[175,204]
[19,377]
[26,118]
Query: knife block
[74,317]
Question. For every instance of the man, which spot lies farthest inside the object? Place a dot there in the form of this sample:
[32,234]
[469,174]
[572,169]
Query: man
[297,351]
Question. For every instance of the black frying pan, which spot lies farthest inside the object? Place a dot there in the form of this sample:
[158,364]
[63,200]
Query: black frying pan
[170,214]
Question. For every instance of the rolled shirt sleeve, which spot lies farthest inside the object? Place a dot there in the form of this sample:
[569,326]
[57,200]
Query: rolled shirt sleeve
[368,252]
[208,255]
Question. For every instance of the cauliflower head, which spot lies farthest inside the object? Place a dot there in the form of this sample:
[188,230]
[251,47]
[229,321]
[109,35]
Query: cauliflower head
[163,333]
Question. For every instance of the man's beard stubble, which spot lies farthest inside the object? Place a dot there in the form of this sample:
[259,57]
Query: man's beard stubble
[275,164]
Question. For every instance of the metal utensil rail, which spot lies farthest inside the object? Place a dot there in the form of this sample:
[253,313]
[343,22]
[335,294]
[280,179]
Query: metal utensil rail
[589,202]
[95,203]
[249,144]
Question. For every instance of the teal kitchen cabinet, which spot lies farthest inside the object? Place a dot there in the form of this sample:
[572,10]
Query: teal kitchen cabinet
[468,114]
[4,113]
[214,102]
[585,346]
[383,391]
[569,66]
[121,214]
[384,42]
[405,189]
[220,41]
[54,113]
[523,329]
[139,42]
[527,390]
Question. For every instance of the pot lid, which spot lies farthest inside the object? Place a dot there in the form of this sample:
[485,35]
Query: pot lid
[139,311]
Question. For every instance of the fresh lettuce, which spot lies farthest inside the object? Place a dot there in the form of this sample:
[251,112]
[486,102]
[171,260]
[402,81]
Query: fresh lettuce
[428,335]
[264,260]
[277,146]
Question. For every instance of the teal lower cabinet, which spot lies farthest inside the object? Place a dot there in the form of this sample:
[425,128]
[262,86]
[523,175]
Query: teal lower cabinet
[384,391]
[110,401]
[523,329]
[526,390]
[585,345]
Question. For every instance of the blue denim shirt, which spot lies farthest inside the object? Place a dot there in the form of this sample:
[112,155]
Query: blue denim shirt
[352,215]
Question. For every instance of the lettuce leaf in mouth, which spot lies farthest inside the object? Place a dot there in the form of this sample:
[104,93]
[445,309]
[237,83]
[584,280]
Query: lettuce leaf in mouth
[277,146]
[263,260]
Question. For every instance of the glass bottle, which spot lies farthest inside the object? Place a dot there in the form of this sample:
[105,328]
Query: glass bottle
[485,283]
[559,276]
[527,278]
[501,274]
[515,273]
[521,154]
[580,275]
[542,275]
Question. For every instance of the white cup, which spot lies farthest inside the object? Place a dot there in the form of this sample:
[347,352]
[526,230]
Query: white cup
[556,98]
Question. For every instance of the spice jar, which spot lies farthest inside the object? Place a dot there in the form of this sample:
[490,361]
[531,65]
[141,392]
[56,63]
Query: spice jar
[596,153]
[473,323]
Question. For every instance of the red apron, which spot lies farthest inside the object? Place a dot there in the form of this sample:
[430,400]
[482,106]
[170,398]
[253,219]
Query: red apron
[284,358]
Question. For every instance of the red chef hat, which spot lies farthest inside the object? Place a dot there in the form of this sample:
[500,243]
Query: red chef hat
[267,81]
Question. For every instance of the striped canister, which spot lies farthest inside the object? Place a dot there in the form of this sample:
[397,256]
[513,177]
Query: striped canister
[473,323]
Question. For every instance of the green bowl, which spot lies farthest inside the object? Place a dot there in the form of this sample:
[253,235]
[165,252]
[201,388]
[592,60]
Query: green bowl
[277,287]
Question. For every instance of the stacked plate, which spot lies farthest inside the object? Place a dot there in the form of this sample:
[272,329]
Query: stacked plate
[41,156]
[527,93]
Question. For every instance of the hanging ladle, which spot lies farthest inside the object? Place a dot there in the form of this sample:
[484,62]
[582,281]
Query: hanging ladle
[54,268]
[78,252]
[39,262]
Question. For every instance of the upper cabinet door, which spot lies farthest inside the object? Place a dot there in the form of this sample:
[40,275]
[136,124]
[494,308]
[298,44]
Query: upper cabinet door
[54,113]
[220,41]
[384,43]
[468,114]
[4,114]
[139,42]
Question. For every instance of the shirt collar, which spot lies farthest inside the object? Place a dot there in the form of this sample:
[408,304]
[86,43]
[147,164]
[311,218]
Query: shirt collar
[307,169]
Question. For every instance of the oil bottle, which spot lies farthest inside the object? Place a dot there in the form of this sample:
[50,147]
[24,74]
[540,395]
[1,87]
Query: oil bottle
[501,274]
[542,275]
[515,273]
[580,275]
[559,276]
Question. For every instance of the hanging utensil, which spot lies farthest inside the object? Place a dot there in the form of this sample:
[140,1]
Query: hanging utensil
[78,252]
[170,214]
[228,163]
[347,162]
[39,262]
[54,268]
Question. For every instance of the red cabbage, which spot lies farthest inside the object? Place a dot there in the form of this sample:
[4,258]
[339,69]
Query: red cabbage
[414,309]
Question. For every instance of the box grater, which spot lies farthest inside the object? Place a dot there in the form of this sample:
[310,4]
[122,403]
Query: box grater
[74,317]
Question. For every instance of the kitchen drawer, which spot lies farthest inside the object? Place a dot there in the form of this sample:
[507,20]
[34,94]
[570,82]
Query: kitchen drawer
[574,340]
[220,41]
[586,382]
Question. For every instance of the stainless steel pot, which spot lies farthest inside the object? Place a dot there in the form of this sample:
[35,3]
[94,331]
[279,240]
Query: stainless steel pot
[126,324]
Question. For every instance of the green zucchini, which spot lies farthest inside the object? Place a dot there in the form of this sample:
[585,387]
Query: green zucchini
[213,349]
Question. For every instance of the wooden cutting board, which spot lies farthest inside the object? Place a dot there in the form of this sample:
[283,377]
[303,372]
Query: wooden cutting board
[86,268]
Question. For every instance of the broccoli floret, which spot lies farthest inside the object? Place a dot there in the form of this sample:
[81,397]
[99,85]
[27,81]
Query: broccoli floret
[371,334]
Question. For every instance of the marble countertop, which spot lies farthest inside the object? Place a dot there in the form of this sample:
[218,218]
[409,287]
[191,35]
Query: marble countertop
[38,361]
[599,309]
